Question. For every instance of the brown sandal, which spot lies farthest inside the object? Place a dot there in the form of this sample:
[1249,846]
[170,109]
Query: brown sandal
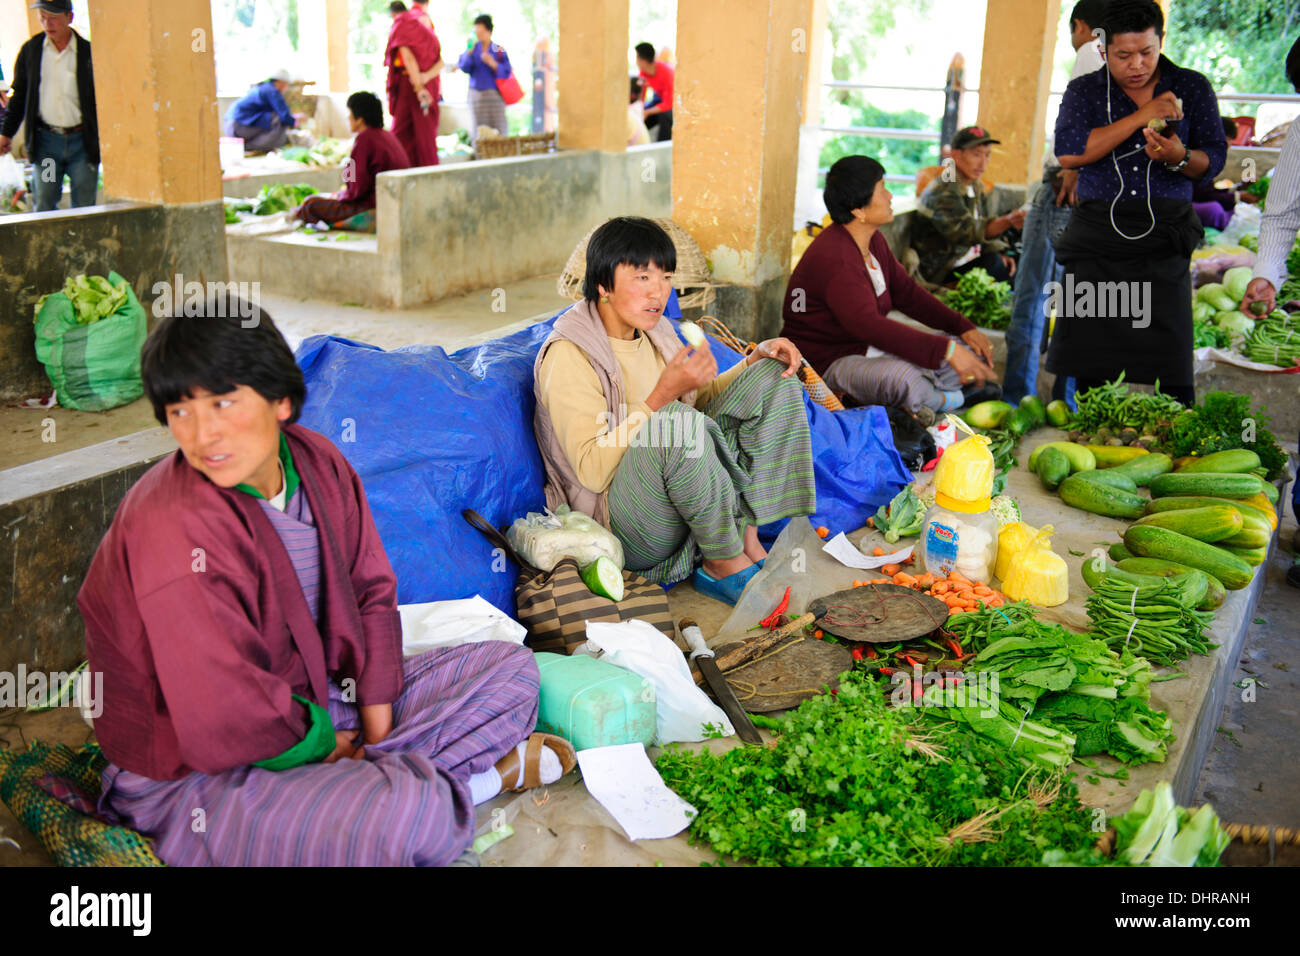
[532,761]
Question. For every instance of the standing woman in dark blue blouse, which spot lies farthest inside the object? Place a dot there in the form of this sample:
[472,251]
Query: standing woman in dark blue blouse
[485,62]
[1125,303]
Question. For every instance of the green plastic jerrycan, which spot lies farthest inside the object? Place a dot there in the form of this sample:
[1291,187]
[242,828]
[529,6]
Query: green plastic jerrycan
[592,703]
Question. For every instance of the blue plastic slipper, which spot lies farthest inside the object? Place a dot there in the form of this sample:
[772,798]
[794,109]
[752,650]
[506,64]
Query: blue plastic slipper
[728,589]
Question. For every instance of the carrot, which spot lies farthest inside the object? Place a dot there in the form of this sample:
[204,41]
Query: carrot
[983,591]
[955,610]
[819,634]
[871,522]
[879,581]
[958,577]
[996,602]
[926,580]
[877,551]
[823,531]
[910,559]
[890,569]
[939,588]
[905,579]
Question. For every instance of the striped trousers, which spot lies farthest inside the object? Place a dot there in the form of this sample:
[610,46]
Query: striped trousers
[406,803]
[694,479]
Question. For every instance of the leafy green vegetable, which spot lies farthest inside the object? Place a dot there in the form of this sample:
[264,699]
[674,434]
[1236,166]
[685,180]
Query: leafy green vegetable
[981,299]
[852,782]
[1113,406]
[280,197]
[902,518]
[1158,832]
[1207,333]
[1222,421]
[92,297]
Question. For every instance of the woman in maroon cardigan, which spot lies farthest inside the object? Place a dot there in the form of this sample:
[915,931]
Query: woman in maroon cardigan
[838,301]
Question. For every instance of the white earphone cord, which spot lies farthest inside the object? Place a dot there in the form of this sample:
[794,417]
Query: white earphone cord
[1120,176]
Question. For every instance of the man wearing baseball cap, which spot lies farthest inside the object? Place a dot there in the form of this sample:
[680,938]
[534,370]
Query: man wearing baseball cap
[54,102]
[954,229]
[261,117]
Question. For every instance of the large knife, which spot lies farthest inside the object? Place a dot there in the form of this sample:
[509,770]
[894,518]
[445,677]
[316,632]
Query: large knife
[702,657]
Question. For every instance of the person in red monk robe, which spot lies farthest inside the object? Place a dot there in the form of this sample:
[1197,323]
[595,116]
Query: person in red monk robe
[375,151]
[243,614]
[414,59]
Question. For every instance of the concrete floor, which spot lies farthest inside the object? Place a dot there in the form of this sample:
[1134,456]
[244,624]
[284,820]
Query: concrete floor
[452,323]
[1251,775]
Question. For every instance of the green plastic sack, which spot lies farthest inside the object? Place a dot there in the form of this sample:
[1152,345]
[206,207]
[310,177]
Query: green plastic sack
[92,367]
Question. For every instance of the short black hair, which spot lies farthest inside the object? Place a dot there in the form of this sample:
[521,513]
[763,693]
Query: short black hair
[484,19]
[1293,65]
[1229,127]
[850,184]
[636,89]
[397,6]
[625,241]
[366,107]
[1132,16]
[1091,12]
[645,51]
[219,350]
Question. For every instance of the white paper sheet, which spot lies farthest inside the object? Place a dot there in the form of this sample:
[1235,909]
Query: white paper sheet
[451,623]
[624,782]
[843,551]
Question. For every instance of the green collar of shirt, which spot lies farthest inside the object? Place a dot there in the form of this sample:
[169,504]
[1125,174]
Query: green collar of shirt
[291,481]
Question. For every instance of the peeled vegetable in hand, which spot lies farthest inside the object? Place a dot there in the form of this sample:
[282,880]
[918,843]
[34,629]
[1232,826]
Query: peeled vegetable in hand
[1235,281]
[693,334]
[1037,574]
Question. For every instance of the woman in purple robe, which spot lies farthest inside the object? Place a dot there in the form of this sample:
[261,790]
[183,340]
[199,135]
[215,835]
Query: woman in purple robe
[243,613]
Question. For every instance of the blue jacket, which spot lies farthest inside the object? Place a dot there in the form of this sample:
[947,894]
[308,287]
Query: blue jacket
[482,76]
[259,106]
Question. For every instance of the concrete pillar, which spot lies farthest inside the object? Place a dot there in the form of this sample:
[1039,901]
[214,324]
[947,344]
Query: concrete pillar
[1015,78]
[593,77]
[336,33]
[808,205]
[735,141]
[17,25]
[157,98]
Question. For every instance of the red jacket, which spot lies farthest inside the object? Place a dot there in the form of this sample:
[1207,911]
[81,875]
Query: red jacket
[842,315]
[196,620]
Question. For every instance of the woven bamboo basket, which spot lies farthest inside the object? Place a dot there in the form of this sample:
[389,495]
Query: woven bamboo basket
[1250,846]
[495,147]
[690,279]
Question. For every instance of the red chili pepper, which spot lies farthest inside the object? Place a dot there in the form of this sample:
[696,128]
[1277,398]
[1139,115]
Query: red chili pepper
[911,660]
[771,619]
[887,671]
[954,646]
[871,653]
[917,691]
[857,653]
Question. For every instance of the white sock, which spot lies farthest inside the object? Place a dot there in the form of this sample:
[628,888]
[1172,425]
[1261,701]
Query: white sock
[484,786]
[548,767]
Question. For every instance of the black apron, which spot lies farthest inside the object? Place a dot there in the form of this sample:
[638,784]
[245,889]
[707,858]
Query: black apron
[1126,305]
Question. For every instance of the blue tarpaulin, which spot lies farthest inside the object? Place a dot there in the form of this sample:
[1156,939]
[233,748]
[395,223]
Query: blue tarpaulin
[431,434]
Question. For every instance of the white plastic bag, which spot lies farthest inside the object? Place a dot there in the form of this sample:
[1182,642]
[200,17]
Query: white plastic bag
[1245,221]
[543,539]
[683,709]
[451,623]
[11,174]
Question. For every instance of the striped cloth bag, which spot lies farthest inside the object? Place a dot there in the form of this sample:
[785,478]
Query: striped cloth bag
[556,605]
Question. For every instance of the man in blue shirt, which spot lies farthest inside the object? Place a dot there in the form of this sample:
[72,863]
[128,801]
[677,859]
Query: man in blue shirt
[261,118]
[1141,132]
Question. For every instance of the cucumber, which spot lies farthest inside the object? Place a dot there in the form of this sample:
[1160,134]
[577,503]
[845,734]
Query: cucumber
[1252,556]
[1118,552]
[1234,460]
[1248,537]
[1078,492]
[1080,458]
[603,577]
[1144,467]
[1020,421]
[1203,524]
[1147,541]
[1108,456]
[1182,502]
[1213,484]
[1215,592]
[1053,468]
[1110,477]
[1092,574]
[1261,503]
[1270,490]
[988,414]
[1033,405]
[1058,413]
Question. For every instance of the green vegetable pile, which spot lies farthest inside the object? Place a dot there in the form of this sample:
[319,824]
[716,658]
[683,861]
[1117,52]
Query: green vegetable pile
[1218,423]
[1275,340]
[1114,407]
[851,782]
[980,299]
[92,297]
[902,517]
[1258,188]
[280,197]
[1072,685]
[327,152]
[1159,621]
[1157,832]
[1206,333]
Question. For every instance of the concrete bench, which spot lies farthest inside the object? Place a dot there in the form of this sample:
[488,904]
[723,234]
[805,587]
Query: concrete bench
[451,229]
